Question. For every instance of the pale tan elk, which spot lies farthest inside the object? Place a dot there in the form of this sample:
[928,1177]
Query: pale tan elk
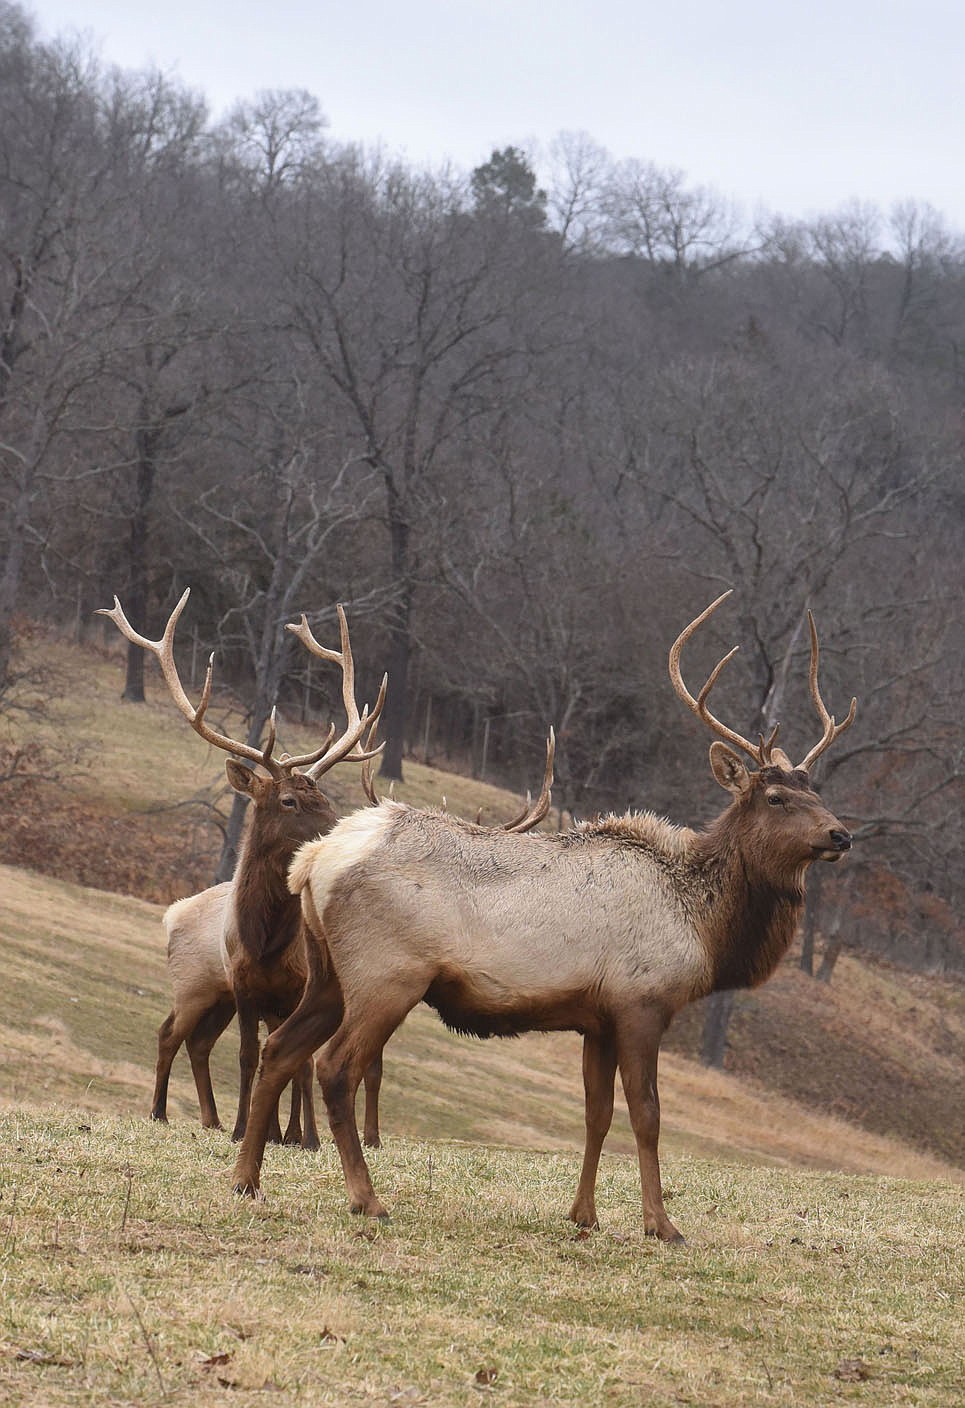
[607,929]
[239,945]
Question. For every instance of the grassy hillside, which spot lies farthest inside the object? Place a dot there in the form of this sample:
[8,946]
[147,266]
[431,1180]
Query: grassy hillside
[824,1258]
[880,1048]
[86,991]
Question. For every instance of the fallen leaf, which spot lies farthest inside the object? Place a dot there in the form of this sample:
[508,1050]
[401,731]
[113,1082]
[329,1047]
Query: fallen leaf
[330,1337]
[485,1378]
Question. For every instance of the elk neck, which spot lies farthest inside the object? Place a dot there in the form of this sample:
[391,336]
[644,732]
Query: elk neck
[748,910]
[267,915]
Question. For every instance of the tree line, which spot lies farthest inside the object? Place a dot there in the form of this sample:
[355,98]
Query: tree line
[523,423]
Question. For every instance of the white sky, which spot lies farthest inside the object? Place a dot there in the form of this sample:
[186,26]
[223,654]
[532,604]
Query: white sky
[796,107]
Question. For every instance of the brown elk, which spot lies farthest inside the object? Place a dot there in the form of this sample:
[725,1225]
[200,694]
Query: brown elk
[239,946]
[607,929]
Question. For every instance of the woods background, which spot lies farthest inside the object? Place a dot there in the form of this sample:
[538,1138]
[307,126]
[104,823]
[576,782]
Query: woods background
[523,422]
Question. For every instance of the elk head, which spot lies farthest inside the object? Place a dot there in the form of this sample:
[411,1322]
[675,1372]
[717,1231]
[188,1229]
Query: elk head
[289,804]
[782,819]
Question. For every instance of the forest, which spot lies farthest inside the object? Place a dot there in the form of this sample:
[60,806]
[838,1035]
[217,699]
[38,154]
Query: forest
[524,422]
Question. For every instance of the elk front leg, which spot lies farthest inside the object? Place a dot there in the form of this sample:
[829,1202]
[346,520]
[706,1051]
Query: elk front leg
[599,1072]
[638,1043]
[248,1065]
[288,1048]
[302,1128]
[373,1084]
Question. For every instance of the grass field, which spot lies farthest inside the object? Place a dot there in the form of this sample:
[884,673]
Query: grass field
[825,1257]
[132,1276]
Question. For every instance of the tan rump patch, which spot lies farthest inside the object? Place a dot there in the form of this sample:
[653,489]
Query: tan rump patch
[318,864]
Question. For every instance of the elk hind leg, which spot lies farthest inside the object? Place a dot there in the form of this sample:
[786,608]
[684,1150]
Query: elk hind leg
[200,1043]
[357,1043]
[599,1072]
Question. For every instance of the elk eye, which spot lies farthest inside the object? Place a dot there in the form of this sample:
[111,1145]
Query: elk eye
[289,802]
[775,800]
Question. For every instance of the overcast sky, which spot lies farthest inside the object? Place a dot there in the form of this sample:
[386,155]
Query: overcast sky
[794,107]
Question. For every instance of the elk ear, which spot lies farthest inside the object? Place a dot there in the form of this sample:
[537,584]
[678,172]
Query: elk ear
[243,779]
[780,759]
[728,769]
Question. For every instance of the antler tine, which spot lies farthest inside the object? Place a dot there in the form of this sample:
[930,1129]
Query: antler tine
[699,706]
[533,813]
[344,747]
[831,729]
[371,751]
[163,650]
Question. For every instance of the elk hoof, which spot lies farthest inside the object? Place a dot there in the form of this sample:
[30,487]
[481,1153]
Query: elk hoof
[247,1188]
[378,1211]
[372,1143]
[158,1117]
[667,1234]
[311,1143]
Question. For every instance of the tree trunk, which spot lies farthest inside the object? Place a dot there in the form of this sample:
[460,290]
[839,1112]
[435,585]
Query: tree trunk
[232,839]
[718,1012]
[832,952]
[146,440]
[395,713]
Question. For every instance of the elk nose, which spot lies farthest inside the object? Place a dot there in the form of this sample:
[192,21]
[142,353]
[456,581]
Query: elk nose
[842,840]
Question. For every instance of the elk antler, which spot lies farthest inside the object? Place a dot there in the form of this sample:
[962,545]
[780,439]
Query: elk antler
[371,751]
[346,746]
[831,729]
[533,813]
[761,751]
[163,649]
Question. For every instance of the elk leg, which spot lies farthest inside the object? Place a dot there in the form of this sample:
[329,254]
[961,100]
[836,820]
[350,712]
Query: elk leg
[310,1139]
[373,1084]
[248,1065]
[638,1042]
[293,1130]
[168,1044]
[311,1024]
[352,1049]
[199,1044]
[179,1026]
[599,1071]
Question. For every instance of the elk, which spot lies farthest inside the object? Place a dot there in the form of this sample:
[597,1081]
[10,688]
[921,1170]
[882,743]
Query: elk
[607,929]
[238,945]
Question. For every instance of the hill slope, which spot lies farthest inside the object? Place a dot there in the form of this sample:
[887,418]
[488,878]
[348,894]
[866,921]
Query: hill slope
[881,1048]
[86,991]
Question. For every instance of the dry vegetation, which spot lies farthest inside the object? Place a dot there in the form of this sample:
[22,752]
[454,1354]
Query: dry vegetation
[132,1276]
[894,1069]
[128,1274]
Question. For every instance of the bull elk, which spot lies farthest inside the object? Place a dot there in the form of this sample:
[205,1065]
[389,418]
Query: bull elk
[238,945]
[607,929]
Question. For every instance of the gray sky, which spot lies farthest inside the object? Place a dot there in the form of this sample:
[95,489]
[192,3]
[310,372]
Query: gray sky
[795,107]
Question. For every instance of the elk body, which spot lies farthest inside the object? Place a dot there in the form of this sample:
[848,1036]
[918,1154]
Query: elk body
[239,945]
[608,930]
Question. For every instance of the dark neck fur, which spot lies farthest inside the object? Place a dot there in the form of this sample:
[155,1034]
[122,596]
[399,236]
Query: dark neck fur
[267,914]
[749,920]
